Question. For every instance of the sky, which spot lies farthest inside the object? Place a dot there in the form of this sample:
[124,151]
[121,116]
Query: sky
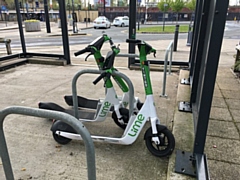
[233,2]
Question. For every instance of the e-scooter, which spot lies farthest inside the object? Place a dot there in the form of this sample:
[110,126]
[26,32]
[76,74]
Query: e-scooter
[159,140]
[94,48]
[119,114]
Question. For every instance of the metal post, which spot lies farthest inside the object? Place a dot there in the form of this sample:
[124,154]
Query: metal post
[68,5]
[79,7]
[163,19]
[169,49]
[89,12]
[165,75]
[132,31]
[171,52]
[8,47]
[47,16]
[176,38]
[104,8]
[6,18]
[73,18]
[20,28]
[64,28]
[165,5]
[86,18]
[27,9]
[138,15]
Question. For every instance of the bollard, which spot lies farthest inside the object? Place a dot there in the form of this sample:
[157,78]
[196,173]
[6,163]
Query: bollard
[8,47]
[189,38]
[176,38]
[7,43]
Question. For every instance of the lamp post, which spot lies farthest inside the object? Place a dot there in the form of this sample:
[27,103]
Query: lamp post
[165,5]
[139,2]
[104,7]
[146,16]
[68,5]
[79,8]
[74,18]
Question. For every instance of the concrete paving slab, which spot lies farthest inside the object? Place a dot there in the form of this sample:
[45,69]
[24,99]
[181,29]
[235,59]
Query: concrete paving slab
[231,94]
[226,170]
[220,114]
[229,82]
[217,92]
[219,102]
[233,103]
[238,126]
[221,149]
[235,114]
[215,128]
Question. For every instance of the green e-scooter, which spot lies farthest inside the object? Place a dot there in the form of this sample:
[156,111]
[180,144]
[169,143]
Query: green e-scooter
[158,139]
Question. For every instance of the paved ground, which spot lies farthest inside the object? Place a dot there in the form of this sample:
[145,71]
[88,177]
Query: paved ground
[35,155]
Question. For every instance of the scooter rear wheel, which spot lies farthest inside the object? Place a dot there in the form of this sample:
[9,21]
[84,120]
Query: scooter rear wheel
[60,139]
[167,142]
[125,115]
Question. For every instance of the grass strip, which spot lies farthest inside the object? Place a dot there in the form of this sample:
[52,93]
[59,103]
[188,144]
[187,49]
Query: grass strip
[167,29]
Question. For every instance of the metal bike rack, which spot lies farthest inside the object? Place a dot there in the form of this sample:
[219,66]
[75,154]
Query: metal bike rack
[168,50]
[70,120]
[92,71]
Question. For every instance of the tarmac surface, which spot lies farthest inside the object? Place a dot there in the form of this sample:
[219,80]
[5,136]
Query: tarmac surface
[35,155]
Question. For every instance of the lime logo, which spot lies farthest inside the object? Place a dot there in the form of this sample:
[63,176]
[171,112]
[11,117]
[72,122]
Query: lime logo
[125,104]
[105,109]
[137,125]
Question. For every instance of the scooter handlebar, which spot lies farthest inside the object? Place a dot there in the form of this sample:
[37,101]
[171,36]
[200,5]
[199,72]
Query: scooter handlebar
[135,41]
[102,75]
[82,51]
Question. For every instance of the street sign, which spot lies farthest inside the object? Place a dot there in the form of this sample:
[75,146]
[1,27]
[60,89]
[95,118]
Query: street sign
[3,8]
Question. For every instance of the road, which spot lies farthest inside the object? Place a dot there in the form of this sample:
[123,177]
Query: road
[119,34]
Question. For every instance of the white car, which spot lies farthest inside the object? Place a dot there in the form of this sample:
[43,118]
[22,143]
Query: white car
[121,21]
[101,22]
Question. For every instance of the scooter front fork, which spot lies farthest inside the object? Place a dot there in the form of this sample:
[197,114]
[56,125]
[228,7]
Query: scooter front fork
[119,116]
[155,137]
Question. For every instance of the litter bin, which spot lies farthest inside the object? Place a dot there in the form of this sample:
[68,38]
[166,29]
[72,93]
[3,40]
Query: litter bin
[142,21]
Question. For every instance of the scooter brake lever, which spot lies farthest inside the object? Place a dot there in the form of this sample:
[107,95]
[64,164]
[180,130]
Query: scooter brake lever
[88,56]
[154,54]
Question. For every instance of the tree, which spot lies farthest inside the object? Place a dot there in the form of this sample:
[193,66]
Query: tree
[191,4]
[10,4]
[164,5]
[177,6]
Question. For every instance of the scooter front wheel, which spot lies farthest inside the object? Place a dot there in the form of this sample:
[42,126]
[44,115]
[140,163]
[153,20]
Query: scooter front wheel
[167,142]
[60,139]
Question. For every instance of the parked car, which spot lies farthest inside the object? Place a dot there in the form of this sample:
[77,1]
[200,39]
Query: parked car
[101,22]
[121,21]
